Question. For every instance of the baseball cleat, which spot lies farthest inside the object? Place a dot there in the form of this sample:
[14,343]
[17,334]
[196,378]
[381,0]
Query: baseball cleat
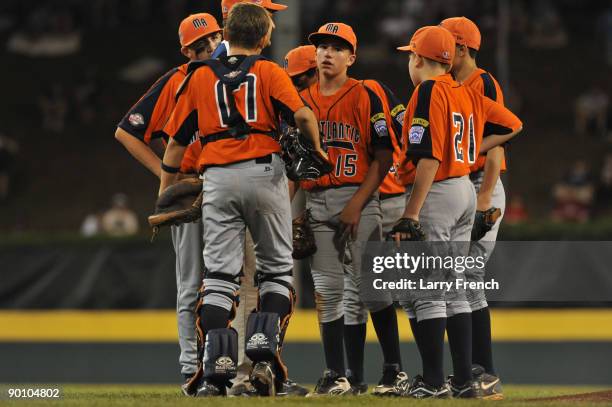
[242,389]
[490,385]
[262,379]
[400,387]
[332,384]
[208,389]
[290,388]
[469,390]
[386,384]
[359,389]
[420,390]
[190,387]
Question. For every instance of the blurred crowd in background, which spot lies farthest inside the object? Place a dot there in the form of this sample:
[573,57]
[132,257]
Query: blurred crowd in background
[72,68]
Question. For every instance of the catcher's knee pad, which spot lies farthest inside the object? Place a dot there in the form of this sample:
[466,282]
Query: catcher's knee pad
[220,359]
[262,337]
[279,283]
[220,290]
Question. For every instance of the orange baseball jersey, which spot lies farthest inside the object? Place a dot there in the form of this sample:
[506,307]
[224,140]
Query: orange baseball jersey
[394,114]
[447,121]
[485,84]
[145,120]
[237,117]
[353,124]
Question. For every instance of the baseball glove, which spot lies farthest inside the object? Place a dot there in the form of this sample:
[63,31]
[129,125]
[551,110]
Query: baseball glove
[409,227]
[302,161]
[484,221]
[179,203]
[303,238]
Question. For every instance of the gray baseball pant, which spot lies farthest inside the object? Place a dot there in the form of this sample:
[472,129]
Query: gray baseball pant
[355,311]
[187,242]
[328,263]
[447,216]
[486,245]
[251,194]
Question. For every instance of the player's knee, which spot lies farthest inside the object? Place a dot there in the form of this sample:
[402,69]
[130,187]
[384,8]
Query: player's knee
[429,310]
[375,306]
[330,306]
[457,307]
[355,311]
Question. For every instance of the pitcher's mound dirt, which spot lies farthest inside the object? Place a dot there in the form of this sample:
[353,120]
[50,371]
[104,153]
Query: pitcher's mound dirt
[599,396]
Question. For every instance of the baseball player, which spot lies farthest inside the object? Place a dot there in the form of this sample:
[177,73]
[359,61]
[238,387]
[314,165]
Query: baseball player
[392,202]
[443,132]
[226,6]
[485,176]
[248,292]
[234,103]
[344,205]
[300,64]
[199,35]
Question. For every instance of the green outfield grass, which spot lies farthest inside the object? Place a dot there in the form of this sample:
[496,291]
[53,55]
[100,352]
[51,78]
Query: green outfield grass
[164,395]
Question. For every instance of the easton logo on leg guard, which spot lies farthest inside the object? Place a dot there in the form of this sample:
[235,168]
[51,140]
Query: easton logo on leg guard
[224,364]
[256,340]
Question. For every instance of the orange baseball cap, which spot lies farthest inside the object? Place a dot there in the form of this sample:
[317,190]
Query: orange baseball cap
[433,42]
[464,30]
[226,5]
[338,30]
[300,60]
[197,26]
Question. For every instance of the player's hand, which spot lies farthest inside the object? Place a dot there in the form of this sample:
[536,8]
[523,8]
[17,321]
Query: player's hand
[349,221]
[407,229]
[483,203]
[323,154]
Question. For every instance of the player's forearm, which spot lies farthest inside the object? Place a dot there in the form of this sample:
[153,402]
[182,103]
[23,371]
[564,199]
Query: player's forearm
[424,178]
[495,140]
[492,169]
[378,170]
[172,161]
[306,121]
[139,151]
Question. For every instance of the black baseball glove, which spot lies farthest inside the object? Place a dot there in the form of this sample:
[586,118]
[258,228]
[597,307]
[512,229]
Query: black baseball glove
[409,228]
[484,221]
[302,161]
[179,203]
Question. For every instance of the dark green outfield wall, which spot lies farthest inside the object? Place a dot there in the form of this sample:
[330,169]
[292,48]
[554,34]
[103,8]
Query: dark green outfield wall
[526,363]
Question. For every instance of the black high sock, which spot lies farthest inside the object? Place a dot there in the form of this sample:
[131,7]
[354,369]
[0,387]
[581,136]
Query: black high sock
[354,344]
[430,336]
[332,334]
[277,303]
[459,330]
[385,325]
[482,352]
[213,317]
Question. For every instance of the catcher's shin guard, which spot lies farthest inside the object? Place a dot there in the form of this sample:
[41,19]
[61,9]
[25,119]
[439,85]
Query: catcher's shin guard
[220,359]
[262,336]
[273,303]
[201,335]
